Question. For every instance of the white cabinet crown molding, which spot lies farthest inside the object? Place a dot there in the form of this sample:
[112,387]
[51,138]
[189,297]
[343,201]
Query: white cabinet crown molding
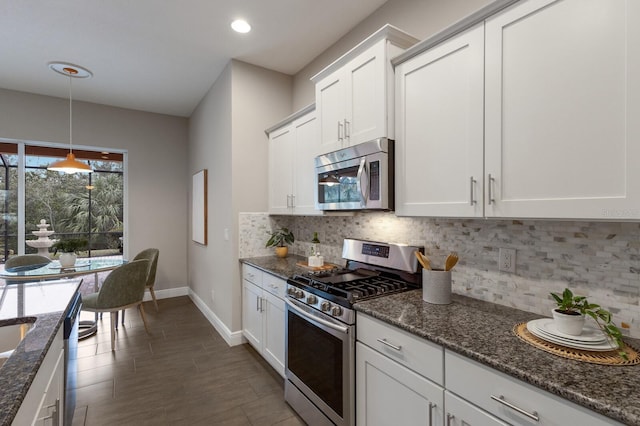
[290,118]
[393,34]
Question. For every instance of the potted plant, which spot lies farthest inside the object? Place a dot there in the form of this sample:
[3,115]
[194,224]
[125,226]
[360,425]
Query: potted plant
[69,249]
[279,239]
[570,313]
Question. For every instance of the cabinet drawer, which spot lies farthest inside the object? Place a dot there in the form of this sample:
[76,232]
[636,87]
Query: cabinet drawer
[252,274]
[274,285]
[477,383]
[423,357]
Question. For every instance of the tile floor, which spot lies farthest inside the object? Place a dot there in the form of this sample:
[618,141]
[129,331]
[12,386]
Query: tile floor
[183,374]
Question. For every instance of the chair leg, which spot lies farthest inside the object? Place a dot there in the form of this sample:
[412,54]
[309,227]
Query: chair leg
[153,296]
[116,314]
[144,318]
[123,317]
[114,321]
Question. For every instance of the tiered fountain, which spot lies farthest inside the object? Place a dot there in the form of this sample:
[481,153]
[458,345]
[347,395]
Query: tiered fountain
[43,242]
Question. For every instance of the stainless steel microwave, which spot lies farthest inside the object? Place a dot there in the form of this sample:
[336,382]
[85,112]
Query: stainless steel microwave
[359,177]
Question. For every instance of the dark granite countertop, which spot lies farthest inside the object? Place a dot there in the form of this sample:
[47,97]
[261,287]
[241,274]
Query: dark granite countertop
[282,267]
[45,302]
[483,331]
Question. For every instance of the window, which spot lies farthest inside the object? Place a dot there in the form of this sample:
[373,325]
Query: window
[81,205]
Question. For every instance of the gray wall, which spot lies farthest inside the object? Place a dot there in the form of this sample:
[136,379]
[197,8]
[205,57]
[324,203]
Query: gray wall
[227,138]
[420,18]
[157,165]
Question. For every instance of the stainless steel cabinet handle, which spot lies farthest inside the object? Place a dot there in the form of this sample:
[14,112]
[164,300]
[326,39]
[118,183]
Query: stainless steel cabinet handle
[340,137]
[533,416]
[293,201]
[431,407]
[257,304]
[449,418]
[490,192]
[471,200]
[391,345]
[362,175]
[288,201]
[347,130]
[262,304]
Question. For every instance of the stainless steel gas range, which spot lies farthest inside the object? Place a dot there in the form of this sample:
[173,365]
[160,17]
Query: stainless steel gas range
[320,332]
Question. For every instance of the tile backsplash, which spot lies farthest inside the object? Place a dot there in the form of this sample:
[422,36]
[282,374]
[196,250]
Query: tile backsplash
[596,259]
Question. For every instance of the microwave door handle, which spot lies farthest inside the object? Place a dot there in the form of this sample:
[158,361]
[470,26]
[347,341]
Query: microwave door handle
[363,189]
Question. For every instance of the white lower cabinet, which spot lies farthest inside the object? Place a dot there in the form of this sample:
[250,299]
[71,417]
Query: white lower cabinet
[44,403]
[512,400]
[462,413]
[404,379]
[390,394]
[263,314]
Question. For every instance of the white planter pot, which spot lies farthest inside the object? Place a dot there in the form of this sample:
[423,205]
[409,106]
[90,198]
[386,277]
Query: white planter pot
[67,260]
[568,324]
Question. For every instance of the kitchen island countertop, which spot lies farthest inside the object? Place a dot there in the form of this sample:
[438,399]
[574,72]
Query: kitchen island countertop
[47,302]
[483,331]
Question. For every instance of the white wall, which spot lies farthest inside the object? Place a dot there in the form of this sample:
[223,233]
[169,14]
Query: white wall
[226,136]
[420,18]
[157,165]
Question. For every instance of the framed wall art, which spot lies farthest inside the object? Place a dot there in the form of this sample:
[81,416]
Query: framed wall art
[199,207]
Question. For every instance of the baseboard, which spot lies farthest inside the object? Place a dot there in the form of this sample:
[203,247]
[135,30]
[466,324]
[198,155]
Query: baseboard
[232,338]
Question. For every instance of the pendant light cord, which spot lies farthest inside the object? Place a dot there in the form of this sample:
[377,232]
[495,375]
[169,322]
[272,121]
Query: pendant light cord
[70,116]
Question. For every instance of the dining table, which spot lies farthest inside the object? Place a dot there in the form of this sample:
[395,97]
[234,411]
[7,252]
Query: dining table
[53,271]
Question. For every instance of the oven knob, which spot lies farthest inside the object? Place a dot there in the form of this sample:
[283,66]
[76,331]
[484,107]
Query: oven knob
[299,294]
[291,291]
[336,311]
[325,306]
[311,299]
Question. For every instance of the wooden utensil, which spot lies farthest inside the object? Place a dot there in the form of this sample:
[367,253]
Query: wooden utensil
[424,260]
[451,261]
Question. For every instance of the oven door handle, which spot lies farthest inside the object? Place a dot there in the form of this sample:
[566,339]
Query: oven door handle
[362,189]
[331,325]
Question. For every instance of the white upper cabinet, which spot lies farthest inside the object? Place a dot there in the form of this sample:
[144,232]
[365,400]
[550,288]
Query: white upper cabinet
[354,95]
[562,105]
[551,94]
[293,146]
[439,129]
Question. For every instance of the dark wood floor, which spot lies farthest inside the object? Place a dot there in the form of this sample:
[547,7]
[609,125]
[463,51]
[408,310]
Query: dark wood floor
[183,374]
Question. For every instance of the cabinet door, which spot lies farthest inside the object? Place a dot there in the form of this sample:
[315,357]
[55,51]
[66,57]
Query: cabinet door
[366,106]
[461,413]
[439,129]
[281,146]
[274,326]
[330,107]
[390,394]
[562,106]
[307,147]
[52,406]
[251,314]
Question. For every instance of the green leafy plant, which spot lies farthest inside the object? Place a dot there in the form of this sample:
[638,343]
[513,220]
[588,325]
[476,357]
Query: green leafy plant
[280,238]
[569,304]
[71,245]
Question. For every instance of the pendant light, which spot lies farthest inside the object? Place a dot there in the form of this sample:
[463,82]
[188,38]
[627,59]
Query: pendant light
[70,164]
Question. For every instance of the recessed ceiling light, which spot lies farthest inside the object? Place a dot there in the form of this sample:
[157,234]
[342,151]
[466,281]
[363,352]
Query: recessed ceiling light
[241,26]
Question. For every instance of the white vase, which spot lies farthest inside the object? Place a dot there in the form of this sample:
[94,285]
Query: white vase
[67,260]
[568,324]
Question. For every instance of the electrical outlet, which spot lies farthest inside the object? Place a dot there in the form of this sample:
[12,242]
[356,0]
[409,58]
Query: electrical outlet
[507,260]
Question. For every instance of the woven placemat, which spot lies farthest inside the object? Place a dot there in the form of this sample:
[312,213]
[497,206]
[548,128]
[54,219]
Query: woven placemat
[604,358]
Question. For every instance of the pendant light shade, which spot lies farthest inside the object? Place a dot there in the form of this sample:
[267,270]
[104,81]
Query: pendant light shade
[70,164]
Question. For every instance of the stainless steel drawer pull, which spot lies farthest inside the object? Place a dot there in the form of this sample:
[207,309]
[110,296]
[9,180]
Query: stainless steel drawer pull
[533,416]
[340,137]
[471,200]
[449,418]
[392,346]
[431,407]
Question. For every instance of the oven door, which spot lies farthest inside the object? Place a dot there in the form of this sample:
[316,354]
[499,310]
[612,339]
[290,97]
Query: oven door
[320,363]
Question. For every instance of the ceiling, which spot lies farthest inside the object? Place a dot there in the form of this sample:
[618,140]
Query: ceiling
[161,55]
